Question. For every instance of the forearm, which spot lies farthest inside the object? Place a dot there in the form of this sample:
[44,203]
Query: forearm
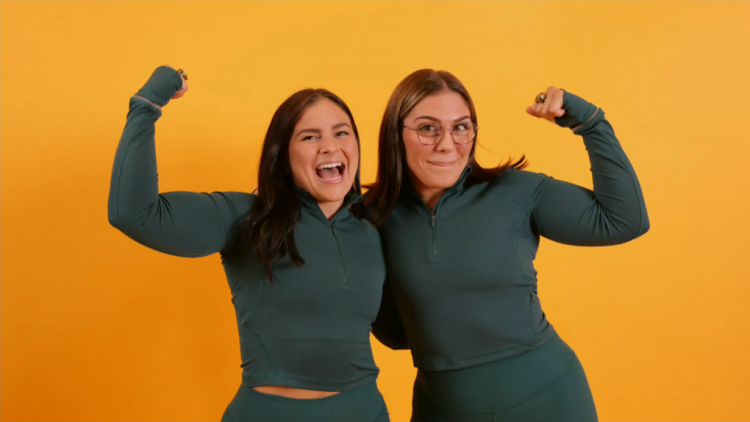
[615,212]
[134,185]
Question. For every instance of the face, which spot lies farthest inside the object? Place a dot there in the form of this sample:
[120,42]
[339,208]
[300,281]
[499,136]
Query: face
[323,152]
[436,167]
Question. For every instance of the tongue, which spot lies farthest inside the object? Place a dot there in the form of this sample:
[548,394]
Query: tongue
[330,173]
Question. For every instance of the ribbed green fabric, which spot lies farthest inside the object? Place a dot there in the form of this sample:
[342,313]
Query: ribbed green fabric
[161,86]
[542,385]
[462,275]
[310,328]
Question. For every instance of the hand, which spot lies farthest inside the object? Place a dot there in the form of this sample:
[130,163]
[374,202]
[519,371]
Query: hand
[551,107]
[182,90]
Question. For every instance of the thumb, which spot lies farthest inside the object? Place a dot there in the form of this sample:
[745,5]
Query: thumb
[531,111]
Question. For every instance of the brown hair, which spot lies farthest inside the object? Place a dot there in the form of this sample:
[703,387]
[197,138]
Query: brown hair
[384,194]
[269,227]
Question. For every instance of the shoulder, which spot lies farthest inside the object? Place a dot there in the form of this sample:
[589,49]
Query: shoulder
[515,177]
[369,228]
[516,187]
[237,204]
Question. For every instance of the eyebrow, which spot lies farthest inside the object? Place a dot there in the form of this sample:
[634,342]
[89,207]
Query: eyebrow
[317,131]
[341,125]
[306,130]
[435,119]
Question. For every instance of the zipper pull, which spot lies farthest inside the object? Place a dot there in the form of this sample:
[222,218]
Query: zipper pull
[433,222]
[333,229]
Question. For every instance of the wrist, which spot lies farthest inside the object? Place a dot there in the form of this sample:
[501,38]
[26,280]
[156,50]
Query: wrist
[578,111]
[161,86]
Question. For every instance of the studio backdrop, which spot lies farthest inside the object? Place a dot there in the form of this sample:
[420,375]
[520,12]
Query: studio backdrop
[95,327]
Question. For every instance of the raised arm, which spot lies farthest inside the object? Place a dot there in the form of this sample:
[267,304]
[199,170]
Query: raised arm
[614,212]
[178,223]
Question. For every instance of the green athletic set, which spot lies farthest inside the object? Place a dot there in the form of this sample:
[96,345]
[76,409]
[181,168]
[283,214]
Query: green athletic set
[463,281]
[309,328]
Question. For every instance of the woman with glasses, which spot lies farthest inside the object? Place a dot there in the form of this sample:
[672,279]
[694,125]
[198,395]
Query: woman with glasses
[306,272]
[460,243]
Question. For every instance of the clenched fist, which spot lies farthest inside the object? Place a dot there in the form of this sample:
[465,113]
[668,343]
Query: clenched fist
[182,90]
[551,107]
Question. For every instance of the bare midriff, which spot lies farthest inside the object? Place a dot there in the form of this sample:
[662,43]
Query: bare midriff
[294,393]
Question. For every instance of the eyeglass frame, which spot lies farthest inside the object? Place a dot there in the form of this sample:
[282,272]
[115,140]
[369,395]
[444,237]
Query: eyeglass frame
[442,133]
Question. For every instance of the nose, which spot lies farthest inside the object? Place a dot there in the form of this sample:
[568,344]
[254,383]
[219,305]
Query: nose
[446,143]
[328,145]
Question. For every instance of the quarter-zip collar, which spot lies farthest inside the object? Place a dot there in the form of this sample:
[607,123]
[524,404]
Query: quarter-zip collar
[411,193]
[309,203]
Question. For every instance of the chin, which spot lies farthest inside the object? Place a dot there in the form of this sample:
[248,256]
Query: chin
[444,181]
[331,193]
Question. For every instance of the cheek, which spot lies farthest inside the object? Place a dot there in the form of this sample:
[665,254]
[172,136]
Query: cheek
[413,153]
[352,150]
[465,151]
[299,160]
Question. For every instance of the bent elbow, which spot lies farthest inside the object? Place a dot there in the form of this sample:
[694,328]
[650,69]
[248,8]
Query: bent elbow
[112,216]
[636,230]
[645,227]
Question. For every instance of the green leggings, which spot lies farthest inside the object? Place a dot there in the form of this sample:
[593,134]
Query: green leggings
[363,404]
[547,384]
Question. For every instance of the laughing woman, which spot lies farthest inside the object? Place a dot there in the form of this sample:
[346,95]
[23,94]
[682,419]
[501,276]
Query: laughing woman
[305,271]
[460,245]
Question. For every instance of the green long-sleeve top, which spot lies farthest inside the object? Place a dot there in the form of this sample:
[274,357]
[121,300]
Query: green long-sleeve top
[310,327]
[462,276]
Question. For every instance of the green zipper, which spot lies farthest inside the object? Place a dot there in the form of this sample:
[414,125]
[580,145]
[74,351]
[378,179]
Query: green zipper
[341,255]
[433,224]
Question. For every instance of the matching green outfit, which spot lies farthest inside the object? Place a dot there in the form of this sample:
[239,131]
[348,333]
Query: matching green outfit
[461,277]
[463,281]
[309,328]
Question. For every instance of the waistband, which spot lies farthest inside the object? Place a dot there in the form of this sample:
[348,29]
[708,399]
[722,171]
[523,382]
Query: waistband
[497,385]
[249,380]
[360,404]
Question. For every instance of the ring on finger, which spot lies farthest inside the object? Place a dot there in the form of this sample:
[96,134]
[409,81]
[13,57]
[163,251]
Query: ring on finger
[182,74]
[540,98]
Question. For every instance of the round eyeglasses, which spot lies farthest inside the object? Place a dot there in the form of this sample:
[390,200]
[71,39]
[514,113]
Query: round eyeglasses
[431,133]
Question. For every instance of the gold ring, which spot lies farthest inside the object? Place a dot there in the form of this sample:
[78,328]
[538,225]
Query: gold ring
[540,98]
[182,73]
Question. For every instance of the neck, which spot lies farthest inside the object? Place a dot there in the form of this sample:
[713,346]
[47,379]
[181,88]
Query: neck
[330,208]
[430,195]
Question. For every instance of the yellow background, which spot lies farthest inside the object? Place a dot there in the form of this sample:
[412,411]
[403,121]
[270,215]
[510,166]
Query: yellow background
[98,328]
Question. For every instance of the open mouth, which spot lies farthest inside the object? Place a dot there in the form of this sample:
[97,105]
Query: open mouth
[331,172]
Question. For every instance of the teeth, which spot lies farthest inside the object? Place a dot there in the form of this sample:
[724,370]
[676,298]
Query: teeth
[328,166]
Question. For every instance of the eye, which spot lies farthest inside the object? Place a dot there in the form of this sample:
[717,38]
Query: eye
[461,127]
[309,138]
[427,128]
[342,133]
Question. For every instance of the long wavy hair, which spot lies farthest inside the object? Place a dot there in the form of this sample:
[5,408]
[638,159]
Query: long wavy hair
[269,227]
[384,193]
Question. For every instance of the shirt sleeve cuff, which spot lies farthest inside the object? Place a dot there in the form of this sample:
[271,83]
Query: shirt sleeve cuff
[577,111]
[161,86]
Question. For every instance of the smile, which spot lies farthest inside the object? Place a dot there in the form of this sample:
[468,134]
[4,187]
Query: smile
[443,163]
[331,172]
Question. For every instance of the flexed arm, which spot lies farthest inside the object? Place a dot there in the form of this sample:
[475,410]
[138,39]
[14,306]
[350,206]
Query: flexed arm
[614,212]
[178,223]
